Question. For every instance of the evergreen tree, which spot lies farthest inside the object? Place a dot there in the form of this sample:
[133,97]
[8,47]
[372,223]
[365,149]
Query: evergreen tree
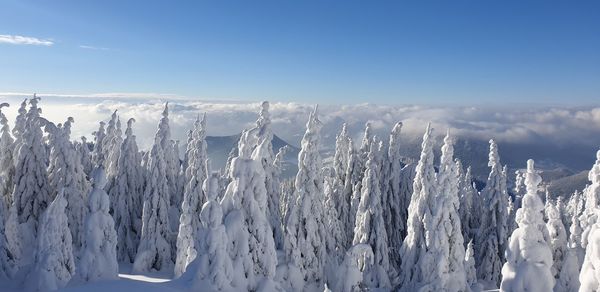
[244,205]
[154,251]
[558,239]
[528,255]
[65,173]
[54,262]
[7,164]
[31,194]
[98,152]
[19,129]
[85,155]
[492,235]
[471,273]
[305,229]
[193,198]
[212,269]
[396,202]
[99,255]
[418,252]
[127,192]
[339,196]
[370,225]
[264,153]
[447,225]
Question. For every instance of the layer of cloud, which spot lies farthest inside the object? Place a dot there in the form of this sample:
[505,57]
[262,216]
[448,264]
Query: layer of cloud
[562,127]
[24,40]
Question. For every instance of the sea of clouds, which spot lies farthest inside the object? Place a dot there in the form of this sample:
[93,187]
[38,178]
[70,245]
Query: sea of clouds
[557,127]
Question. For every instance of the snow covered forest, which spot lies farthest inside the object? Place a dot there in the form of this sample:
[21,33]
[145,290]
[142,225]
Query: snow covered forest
[75,213]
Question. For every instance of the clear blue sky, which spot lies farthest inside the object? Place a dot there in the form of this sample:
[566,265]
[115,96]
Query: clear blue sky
[386,52]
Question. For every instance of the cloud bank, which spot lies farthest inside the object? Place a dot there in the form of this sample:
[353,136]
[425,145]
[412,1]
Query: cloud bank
[556,127]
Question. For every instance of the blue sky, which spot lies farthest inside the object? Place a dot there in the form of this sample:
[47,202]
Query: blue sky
[386,52]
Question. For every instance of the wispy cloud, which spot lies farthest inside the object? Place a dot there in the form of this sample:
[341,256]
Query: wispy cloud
[94,48]
[24,40]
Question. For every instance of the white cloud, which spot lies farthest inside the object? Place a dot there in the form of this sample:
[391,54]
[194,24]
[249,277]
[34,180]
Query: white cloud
[94,48]
[562,126]
[24,40]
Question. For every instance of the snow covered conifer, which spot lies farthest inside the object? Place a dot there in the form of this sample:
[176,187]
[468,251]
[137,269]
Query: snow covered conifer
[264,153]
[469,205]
[19,128]
[99,254]
[492,235]
[85,155]
[528,255]
[193,198]
[7,164]
[592,200]
[336,241]
[370,226]
[212,268]
[396,203]
[558,239]
[154,251]
[304,229]
[470,265]
[350,276]
[31,194]
[418,252]
[54,262]
[65,173]
[127,193]
[98,152]
[340,196]
[244,205]
[447,225]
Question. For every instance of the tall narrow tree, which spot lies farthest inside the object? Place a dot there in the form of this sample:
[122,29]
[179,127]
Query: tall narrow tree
[193,198]
[127,192]
[304,229]
[492,236]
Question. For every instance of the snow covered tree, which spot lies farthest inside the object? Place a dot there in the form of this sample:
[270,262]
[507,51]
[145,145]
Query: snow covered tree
[31,194]
[264,153]
[172,167]
[99,254]
[244,204]
[7,164]
[127,193]
[65,173]
[592,201]
[336,242]
[154,251]
[85,155]
[418,252]
[446,222]
[357,261]
[471,273]
[19,128]
[568,279]
[558,238]
[339,196]
[589,277]
[396,203]
[370,225]
[54,262]
[492,236]
[112,147]
[8,229]
[109,143]
[193,198]
[212,269]
[469,203]
[98,152]
[305,229]
[528,255]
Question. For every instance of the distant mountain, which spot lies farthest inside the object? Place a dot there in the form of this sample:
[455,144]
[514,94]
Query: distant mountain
[218,148]
[565,186]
